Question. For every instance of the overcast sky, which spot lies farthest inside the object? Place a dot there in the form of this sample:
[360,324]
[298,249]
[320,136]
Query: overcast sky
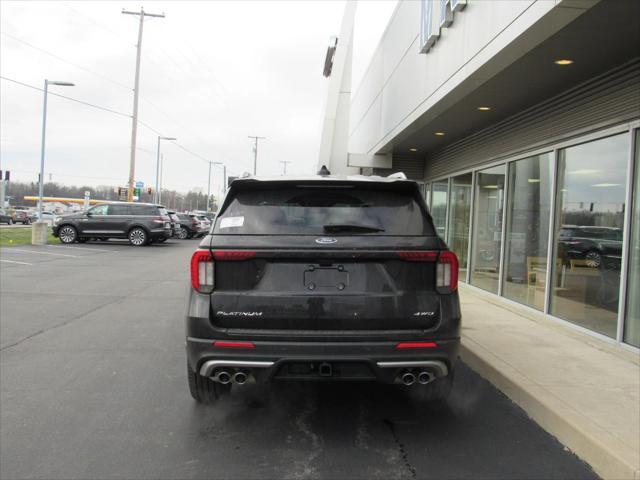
[212,74]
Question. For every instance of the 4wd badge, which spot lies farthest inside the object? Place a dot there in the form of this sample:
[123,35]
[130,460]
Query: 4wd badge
[326,240]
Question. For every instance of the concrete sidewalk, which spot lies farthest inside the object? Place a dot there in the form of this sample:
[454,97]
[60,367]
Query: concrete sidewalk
[582,390]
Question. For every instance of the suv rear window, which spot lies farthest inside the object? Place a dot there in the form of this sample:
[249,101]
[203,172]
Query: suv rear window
[322,210]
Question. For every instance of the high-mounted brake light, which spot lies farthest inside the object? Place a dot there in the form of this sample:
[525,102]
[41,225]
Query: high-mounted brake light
[202,271]
[404,345]
[419,256]
[233,255]
[227,344]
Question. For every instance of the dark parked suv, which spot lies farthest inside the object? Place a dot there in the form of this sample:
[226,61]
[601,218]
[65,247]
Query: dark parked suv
[593,245]
[141,223]
[323,278]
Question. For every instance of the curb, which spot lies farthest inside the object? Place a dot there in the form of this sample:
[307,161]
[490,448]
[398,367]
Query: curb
[594,445]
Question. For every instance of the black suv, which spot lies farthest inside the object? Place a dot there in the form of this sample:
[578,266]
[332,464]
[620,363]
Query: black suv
[592,245]
[141,223]
[323,278]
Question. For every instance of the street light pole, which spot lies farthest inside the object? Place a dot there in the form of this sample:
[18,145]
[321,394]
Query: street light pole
[224,177]
[255,152]
[44,130]
[284,166]
[209,187]
[157,195]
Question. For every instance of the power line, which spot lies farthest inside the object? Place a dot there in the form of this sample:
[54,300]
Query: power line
[100,25]
[57,57]
[67,98]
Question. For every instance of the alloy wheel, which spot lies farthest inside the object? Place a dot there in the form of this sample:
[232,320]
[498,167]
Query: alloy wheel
[137,237]
[593,259]
[67,235]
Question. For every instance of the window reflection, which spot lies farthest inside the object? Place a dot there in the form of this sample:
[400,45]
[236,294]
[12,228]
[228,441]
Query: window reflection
[525,262]
[459,218]
[632,321]
[588,233]
[489,199]
[439,206]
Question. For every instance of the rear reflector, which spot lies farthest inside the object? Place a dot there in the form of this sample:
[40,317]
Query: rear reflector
[225,344]
[403,345]
[233,255]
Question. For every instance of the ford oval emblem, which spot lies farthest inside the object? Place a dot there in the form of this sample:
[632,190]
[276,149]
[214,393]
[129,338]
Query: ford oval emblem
[326,240]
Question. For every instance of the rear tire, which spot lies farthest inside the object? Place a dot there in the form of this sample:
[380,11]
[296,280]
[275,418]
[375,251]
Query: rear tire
[67,234]
[182,234]
[138,237]
[161,240]
[203,389]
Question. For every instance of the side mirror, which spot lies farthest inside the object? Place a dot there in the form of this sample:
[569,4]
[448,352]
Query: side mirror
[89,214]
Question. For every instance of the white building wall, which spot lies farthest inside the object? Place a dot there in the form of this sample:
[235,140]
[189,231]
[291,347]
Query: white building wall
[402,86]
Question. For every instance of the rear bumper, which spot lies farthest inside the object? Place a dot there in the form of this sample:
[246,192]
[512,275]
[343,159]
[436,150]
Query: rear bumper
[348,361]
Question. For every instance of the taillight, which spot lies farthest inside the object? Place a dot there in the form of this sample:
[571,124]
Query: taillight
[446,267]
[202,266]
[447,272]
[202,271]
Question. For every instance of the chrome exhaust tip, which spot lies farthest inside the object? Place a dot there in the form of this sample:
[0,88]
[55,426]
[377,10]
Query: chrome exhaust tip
[425,377]
[408,378]
[223,377]
[240,378]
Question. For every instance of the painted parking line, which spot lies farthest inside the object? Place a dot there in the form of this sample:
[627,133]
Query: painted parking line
[82,248]
[11,261]
[5,250]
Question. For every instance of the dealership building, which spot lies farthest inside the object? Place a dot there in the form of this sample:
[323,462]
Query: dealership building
[521,121]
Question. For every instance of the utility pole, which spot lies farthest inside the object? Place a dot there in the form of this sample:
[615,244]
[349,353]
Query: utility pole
[255,152]
[136,90]
[284,166]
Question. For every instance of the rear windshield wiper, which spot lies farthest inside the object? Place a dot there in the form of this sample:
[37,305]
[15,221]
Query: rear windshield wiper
[349,227]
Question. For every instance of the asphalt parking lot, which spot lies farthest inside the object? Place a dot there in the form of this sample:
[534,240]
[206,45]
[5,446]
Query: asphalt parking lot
[93,385]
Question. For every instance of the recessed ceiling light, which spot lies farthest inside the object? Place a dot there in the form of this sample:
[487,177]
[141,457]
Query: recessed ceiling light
[563,61]
[484,109]
[440,134]
[605,185]
[491,187]
[534,180]
[413,149]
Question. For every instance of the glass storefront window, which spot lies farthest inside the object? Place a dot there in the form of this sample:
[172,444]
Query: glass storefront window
[439,197]
[632,320]
[487,225]
[525,261]
[459,218]
[590,203]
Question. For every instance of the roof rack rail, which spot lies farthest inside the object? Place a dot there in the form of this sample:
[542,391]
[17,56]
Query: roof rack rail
[398,176]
